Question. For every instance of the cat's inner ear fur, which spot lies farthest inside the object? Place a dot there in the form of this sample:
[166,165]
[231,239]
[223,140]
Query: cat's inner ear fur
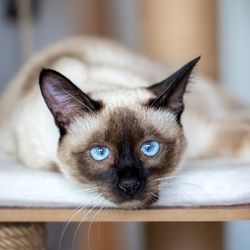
[64,99]
[169,93]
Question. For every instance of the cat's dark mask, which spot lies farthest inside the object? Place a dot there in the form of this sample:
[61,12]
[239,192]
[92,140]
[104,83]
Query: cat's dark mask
[105,140]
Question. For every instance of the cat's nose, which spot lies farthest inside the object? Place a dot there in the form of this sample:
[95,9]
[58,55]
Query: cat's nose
[129,186]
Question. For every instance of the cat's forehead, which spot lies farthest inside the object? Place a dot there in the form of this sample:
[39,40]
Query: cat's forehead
[123,97]
[136,122]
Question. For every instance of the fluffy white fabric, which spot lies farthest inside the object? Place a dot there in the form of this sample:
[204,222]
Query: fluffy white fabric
[200,183]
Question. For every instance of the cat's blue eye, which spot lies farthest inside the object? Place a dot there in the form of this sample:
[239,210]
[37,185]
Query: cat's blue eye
[150,148]
[99,153]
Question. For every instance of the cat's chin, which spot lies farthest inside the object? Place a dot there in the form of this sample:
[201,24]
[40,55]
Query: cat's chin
[133,202]
[136,204]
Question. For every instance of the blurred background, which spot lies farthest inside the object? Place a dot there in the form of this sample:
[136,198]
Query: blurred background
[170,30]
[174,31]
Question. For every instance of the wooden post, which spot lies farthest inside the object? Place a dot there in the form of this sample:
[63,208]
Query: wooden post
[184,236]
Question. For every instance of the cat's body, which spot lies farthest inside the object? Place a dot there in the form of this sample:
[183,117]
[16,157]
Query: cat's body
[116,76]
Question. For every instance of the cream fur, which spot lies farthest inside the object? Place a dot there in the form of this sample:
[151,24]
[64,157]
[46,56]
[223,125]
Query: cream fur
[111,73]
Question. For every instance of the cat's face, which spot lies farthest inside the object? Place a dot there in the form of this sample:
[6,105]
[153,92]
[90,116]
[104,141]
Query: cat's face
[123,141]
[123,151]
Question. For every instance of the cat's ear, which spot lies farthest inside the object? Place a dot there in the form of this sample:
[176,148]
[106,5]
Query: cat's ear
[65,100]
[169,93]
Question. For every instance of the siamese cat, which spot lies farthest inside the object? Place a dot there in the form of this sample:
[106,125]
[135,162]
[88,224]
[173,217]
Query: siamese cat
[108,117]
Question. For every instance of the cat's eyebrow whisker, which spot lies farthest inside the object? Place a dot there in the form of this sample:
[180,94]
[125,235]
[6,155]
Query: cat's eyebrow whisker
[83,104]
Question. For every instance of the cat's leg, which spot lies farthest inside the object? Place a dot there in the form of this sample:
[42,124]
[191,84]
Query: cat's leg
[229,139]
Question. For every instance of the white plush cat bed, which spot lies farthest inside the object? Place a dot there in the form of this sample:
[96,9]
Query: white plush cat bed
[200,183]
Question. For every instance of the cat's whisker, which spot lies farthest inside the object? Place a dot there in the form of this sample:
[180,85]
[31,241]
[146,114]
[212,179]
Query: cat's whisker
[176,185]
[66,224]
[76,192]
[99,224]
[78,226]
[69,220]
[85,216]
[90,189]
[89,228]
[76,195]
[177,188]
[153,196]
[165,178]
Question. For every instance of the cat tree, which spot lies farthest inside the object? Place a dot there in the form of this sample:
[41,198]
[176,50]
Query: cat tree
[22,236]
[166,37]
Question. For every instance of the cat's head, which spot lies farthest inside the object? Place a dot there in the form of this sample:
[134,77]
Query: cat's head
[122,141]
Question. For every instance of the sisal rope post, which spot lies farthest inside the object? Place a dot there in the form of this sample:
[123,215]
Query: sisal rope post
[176,31]
[22,236]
